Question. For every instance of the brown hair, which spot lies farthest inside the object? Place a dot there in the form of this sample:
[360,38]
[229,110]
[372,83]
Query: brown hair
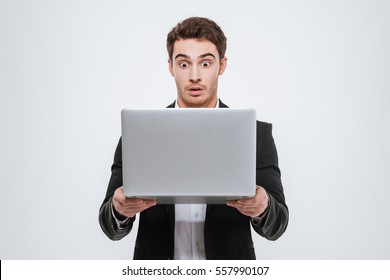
[197,28]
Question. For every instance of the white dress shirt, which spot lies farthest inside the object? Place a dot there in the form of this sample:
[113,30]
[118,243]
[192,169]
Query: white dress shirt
[189,232]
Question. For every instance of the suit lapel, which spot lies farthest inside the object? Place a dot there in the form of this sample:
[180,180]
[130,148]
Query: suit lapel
[222,105]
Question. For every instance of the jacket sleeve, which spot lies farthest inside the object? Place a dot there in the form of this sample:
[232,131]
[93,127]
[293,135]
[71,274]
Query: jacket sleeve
[273,223]
[106,220]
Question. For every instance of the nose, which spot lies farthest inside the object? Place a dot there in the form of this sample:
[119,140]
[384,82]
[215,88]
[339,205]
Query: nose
[195,75]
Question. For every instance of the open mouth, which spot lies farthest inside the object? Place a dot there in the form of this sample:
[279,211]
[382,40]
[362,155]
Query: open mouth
[195,91]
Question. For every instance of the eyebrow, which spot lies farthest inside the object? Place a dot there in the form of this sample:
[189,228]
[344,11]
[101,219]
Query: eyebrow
[201,56]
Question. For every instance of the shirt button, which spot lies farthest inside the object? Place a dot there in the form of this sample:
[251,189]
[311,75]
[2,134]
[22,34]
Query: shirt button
[196,214]
[197,244]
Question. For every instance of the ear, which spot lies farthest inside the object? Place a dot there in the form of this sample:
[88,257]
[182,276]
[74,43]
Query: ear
[170,67]
[222,65]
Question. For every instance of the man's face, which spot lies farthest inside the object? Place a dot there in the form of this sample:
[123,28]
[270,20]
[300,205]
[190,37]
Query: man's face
[196,65]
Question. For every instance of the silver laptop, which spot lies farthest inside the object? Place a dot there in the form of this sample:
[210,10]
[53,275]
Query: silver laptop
[189,155]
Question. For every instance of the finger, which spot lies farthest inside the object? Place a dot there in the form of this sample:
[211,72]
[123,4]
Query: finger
[145,205]
[149,204]
[242,204]
[247,209]
[246,202]
[231,203]
[139,204]
[251,211]
[242,209]
[133,201]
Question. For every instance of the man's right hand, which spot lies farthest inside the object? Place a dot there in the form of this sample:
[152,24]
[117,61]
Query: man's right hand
[128,207]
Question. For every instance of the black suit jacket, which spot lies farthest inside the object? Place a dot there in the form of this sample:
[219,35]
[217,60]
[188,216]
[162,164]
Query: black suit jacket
[227,233]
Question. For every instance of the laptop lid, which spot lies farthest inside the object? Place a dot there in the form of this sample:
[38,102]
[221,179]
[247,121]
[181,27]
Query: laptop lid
[189,155]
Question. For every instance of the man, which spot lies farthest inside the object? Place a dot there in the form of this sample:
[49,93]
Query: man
[196,49]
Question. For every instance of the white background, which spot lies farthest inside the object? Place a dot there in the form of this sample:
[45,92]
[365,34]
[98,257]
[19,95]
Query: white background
[318,70]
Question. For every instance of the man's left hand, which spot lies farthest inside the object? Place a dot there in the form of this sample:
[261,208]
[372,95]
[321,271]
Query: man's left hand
[252,207]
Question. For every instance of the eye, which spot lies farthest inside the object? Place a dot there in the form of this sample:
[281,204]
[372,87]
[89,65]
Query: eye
[183,64]
[206,64]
